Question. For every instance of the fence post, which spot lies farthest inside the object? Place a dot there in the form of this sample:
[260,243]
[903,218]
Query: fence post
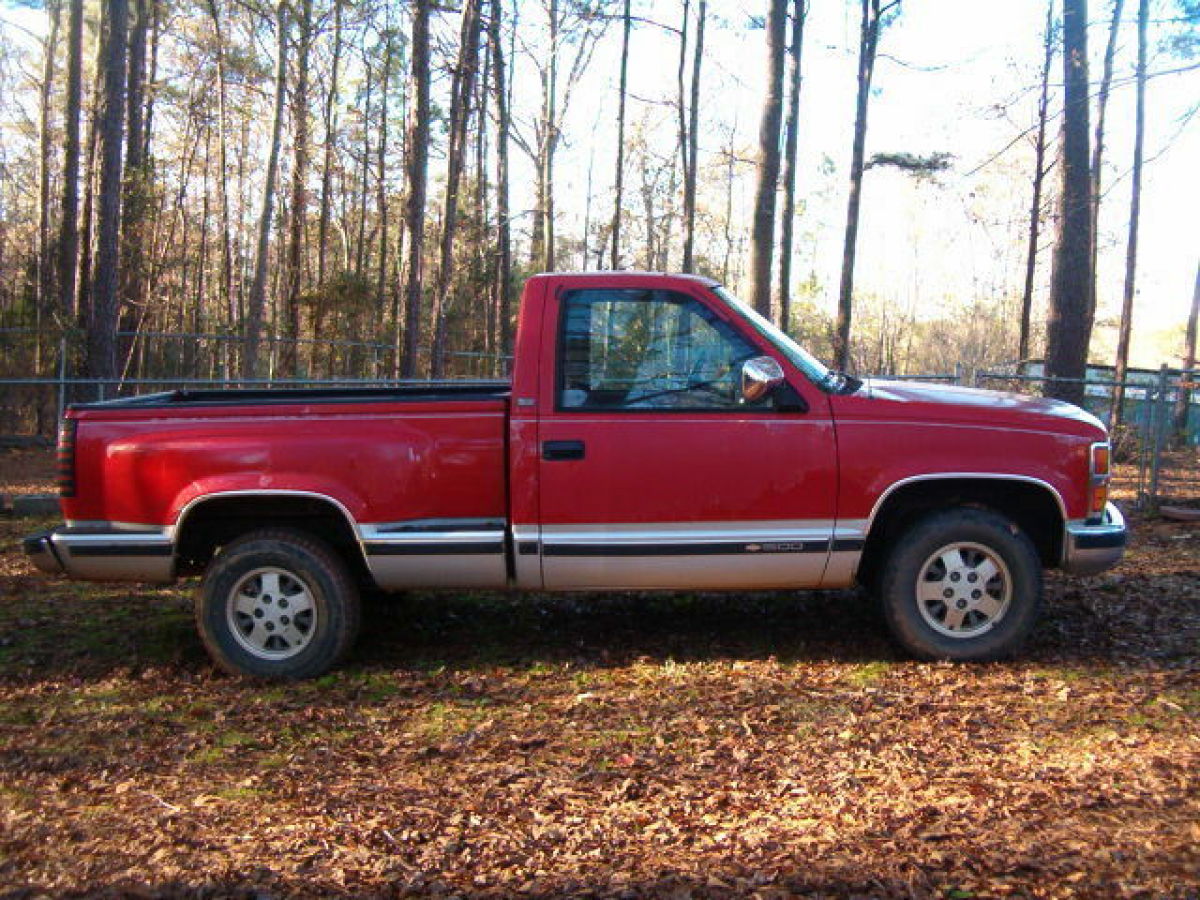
[1160,408]
[62,378]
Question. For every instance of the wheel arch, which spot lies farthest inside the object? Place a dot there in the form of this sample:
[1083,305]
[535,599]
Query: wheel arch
[211,521]
[1034,505]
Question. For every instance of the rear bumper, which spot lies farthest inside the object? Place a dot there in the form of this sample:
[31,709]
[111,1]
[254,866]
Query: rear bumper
[91,554]
[1092,548]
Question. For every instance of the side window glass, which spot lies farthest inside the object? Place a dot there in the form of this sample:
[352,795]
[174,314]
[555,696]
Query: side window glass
[639,350]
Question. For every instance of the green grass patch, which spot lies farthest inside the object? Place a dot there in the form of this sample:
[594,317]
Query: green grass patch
[869,674]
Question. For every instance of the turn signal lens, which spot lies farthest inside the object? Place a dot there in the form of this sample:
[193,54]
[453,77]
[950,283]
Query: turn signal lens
[1099,498]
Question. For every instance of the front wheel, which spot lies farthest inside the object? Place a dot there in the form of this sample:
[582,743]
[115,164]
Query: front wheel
[279,604]
[964,584]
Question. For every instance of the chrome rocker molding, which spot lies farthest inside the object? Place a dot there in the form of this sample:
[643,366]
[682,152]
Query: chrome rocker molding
[436,553]
[1088,549]
[682,556]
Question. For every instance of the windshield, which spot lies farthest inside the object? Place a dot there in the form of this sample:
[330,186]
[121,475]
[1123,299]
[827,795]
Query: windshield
[817,372]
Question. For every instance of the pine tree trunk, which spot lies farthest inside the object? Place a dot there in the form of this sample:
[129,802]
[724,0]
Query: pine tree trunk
[228,304]
[258,288]
[1068,329]
[689,176]
[135,191]
[416,166]
[619,174]
[364,173]
[87,217]
[102,334]
[299,207]
[791,146]
[385,79]
[763,238]
[330,143]
[68,240]
[45,269]
[1098,143]
[462,90]
[503,283]
[1035,206]
[542,240]
[867,46]
[1135,212]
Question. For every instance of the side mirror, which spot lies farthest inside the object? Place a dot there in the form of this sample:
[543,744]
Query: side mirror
[760,376]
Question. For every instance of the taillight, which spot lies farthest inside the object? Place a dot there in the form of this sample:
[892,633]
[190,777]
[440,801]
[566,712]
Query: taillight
[66,458]
[1100,469]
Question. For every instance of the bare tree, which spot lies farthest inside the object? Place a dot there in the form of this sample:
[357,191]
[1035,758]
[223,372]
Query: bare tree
[689,175]
[1035,205]
[102,333]
[462,90]
[1135,212]
[381,195]
[258,287]
[791,145]
[44,269]
[873,12]
[1106,76]
[503,283]
[619,175]
[569,22]
[416,169]
[329,144]
[135,197]
[228,303]
[763,238]
[299,204]
[1069,326]
[68,239]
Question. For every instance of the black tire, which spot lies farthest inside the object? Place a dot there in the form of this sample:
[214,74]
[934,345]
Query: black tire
[277,604]
[958,610]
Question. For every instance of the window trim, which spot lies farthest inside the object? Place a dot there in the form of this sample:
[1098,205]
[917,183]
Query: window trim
[562,298]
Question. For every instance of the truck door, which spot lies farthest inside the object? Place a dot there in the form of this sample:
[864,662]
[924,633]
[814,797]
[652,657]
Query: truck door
[653,473]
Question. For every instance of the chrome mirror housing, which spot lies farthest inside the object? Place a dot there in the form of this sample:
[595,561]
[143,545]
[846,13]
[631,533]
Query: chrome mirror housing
[760,376]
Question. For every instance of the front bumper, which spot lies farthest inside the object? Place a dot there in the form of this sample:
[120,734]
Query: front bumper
[1091,548]
[93,554]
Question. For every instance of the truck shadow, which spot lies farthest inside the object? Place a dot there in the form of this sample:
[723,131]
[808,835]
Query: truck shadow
[56,629]
[599,630]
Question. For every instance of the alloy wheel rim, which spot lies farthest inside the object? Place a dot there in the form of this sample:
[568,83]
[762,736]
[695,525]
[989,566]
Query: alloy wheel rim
[963,590]
[271,613]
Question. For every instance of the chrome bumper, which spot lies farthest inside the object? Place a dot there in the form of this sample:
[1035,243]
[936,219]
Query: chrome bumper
[1091,548]
[94,555]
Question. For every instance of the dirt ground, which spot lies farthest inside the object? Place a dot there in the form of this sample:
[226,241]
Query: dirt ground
[617,746]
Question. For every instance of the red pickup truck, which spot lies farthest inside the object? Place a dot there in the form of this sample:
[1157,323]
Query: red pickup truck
[656,434]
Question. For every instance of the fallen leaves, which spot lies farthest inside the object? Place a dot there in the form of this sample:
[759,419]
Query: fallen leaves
[616,746]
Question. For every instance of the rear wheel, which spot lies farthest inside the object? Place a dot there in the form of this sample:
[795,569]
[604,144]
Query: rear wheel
[964,584]
[277,603]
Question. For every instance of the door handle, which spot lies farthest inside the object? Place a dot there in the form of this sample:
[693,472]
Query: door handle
[553,451]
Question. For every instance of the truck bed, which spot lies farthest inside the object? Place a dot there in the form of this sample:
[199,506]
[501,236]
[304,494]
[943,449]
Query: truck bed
[406,393]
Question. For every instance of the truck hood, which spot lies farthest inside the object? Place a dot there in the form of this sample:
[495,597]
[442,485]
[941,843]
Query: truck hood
[880,398]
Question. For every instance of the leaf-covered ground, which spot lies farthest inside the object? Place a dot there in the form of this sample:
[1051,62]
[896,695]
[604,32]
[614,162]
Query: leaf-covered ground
[27,470]
[673,746]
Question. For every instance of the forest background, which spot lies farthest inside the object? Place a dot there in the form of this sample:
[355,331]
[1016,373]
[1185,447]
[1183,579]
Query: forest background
[906,187]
